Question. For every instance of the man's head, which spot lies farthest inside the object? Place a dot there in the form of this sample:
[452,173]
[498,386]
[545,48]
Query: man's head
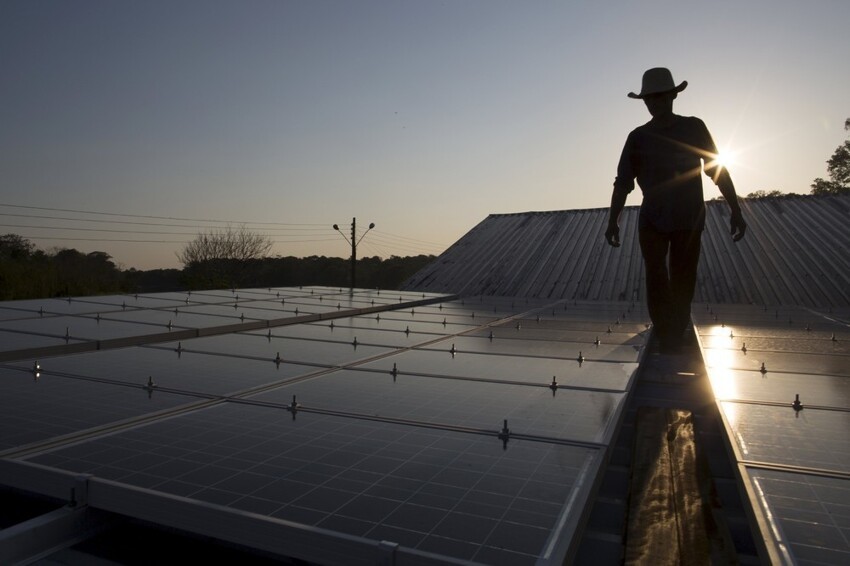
[658,81]
[660,104]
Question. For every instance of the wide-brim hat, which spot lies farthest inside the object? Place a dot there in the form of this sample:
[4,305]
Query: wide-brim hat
[656,81]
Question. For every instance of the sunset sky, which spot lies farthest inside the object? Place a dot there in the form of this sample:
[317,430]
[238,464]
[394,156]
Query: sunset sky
[420,116]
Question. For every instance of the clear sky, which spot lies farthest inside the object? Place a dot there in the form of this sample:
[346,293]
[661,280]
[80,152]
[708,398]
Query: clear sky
[420,116]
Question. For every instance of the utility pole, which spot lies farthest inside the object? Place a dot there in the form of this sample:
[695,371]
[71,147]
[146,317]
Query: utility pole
[353,254]
[353,241]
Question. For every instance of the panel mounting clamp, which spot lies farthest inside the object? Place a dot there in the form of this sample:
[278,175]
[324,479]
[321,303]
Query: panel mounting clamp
[386,553]
[80,490]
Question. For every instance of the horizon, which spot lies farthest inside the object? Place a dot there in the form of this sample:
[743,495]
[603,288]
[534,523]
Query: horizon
[130,128]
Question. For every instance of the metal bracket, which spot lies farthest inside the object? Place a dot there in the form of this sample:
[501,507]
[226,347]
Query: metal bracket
[80,491]
[386,553]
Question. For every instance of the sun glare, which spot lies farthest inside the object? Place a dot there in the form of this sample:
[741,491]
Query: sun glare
[726,157]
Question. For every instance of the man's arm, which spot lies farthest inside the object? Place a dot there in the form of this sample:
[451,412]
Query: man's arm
[737,226]
[624,183]
[618,203]
[721,178]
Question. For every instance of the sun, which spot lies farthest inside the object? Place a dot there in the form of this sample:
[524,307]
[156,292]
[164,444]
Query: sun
[726,157]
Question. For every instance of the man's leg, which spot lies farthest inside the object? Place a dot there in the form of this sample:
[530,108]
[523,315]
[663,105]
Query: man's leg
[684,259]
[654,246]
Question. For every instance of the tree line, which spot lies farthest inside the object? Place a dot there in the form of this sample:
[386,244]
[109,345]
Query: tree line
[372,272]
[27,272]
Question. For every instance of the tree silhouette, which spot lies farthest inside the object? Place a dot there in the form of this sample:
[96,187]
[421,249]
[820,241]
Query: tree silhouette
[226,244]
[838,167]
[765,194]
[218,258]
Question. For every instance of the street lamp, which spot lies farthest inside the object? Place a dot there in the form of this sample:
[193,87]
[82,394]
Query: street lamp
[353,241]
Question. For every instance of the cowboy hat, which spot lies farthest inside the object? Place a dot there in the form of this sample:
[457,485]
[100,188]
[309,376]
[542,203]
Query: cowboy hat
[656,81]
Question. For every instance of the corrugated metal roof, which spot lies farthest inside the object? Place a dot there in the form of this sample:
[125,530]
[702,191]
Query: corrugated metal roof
[796,252]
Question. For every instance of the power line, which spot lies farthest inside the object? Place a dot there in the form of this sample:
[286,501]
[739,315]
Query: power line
[167,225]
[277,232]
[155,217]
[400,245]
[392,243]
[376,250]
[152,241]
[104,241]
[77,229]
[408,239]
[319,227]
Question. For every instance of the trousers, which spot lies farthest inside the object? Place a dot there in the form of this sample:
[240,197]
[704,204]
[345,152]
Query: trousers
[671,260]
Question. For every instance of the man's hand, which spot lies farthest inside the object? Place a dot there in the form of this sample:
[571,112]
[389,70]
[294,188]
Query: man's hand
[612,234]
[738,226]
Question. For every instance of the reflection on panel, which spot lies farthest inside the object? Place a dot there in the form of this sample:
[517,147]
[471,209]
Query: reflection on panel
[756,317]
[776,387]
[778,361]
[733,338]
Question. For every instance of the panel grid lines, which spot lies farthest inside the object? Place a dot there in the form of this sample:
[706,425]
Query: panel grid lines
[329,471]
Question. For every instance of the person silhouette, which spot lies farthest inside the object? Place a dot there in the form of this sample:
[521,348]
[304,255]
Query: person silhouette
[667,156]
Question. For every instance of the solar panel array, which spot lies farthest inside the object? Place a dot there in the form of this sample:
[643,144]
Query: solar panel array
[322,424]
[782,380]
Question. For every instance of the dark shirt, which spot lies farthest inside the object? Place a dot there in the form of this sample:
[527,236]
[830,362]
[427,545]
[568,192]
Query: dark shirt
[668,163]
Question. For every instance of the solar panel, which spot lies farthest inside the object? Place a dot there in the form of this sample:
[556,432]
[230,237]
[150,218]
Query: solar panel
[808,514]
[13,340]
[346,331]
[83,327]
[294,350]
[783,384]
[39,407]
[456,494]
[514,369]
[410,429]
[168,369]
[579,415]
